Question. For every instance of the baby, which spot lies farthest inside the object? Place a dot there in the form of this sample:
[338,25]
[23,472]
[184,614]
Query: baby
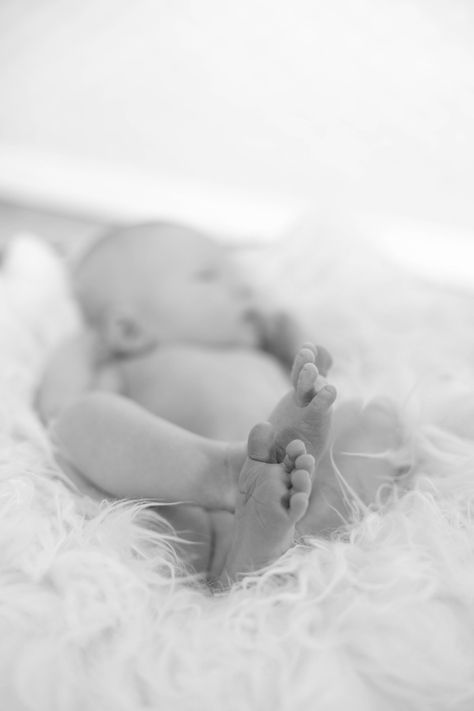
[173,325]
[188,360]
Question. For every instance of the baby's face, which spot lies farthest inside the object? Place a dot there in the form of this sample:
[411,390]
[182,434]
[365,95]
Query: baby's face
[190,290]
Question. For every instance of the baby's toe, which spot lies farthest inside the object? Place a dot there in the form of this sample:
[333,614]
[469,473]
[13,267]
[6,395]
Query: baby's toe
[305,461]
[298,505]
[305,386]
[323,360]
[301,481]
[261,443]
[311,347]
[324,398]
[306,354]
[294,449]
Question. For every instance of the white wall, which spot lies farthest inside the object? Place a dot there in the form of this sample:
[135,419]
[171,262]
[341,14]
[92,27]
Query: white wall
[365,104]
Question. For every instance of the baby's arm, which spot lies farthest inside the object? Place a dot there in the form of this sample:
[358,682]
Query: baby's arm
[283,336]
[74,368]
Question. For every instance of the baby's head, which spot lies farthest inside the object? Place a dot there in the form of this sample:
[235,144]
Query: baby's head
[164,283]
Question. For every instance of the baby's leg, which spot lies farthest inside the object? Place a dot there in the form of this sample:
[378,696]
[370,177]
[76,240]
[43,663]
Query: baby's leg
[272,498]
[126,452]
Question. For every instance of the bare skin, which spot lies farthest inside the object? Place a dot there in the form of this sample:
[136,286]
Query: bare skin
[364,440]
[122,450]
[304,411]
[110,445]
[272,498]
[116,445]
[173,326]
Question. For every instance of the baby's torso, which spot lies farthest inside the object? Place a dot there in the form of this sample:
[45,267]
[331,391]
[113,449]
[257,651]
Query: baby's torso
[218,393]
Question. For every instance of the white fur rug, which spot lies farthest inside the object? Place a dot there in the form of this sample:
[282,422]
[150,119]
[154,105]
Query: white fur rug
[94,610]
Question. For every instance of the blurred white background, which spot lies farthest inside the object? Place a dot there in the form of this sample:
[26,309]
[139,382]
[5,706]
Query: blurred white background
[242,114]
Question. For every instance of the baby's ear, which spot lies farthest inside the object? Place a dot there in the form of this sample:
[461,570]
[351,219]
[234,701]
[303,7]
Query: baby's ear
[127,335]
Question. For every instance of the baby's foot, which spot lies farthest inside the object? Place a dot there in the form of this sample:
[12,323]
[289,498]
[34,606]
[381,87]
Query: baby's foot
[272,498]
[304,412]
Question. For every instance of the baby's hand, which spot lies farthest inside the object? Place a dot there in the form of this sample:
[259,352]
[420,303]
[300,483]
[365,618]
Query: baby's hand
[282,336]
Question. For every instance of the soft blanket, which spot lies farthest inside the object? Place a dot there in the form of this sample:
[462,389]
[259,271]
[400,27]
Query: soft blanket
[96,610]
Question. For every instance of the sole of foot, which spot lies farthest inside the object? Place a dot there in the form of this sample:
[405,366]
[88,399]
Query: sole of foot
[273,497]
[305,412]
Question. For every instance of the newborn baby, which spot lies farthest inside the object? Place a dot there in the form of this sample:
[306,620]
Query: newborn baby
[174,326]
[191,361]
